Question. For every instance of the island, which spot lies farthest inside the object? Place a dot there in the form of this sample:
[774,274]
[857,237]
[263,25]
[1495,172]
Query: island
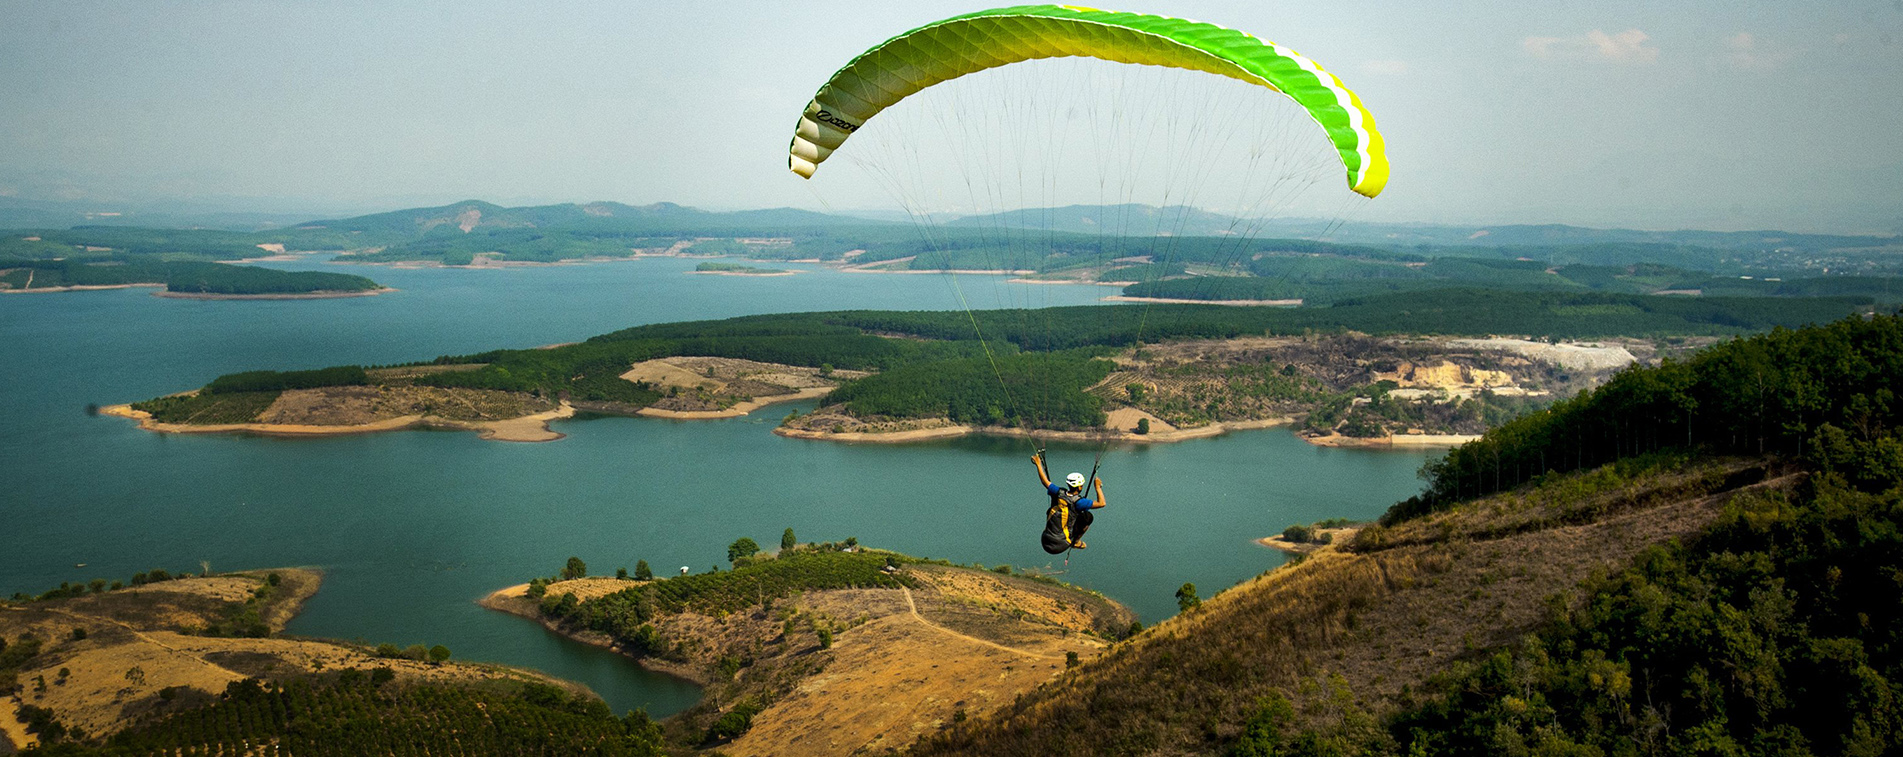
[735,269]
[830,647]
[1411,369]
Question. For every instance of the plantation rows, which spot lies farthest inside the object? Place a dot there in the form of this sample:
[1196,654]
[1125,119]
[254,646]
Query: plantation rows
[347,716]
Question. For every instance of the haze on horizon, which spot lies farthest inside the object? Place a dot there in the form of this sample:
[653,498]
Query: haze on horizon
[1707,114]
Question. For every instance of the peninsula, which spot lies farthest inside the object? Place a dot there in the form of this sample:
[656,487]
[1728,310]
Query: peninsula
[830,648]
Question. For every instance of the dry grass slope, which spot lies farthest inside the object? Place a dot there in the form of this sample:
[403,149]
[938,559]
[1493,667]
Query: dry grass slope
[1385,613]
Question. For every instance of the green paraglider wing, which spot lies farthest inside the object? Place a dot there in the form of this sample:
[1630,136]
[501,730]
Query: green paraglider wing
[954,47]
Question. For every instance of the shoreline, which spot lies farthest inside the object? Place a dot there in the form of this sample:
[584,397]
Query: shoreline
[754,274]
[82,288]
[954,431]
[318,295]
[738,409]
[331,294]
[527,428]
[1230,303]
[1342,535]
[514,600]
[1400,440]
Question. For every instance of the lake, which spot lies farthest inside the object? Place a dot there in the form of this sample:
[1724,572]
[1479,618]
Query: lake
[412,527]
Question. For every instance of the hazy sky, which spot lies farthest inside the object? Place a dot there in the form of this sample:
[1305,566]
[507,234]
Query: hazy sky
[1732,114]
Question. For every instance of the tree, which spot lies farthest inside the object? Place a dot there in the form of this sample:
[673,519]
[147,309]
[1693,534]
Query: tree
[1143,426]
[439,654]
[576,569]
[788,541]
[1186,597]
[742,547]
[621,574]
[642,572]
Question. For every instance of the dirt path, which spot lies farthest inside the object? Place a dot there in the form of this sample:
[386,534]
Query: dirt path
[913,607]
[141,636]
[11,728]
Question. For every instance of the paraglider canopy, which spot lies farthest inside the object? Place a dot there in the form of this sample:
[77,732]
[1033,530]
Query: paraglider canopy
[948,49]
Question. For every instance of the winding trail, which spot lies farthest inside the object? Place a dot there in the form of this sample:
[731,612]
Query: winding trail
[154,642]
[913,607]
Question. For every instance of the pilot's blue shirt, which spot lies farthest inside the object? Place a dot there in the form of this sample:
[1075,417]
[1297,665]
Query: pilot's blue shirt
[1057,495]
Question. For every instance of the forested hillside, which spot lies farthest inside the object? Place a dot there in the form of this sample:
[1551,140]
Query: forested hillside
[1702,563]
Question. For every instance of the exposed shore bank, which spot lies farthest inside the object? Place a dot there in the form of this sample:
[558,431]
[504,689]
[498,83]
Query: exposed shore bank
[528,428]
[321,295]
[954,430]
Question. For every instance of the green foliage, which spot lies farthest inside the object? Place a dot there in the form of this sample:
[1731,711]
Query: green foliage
[788,541]
[733,268]
[742,548]
[733,723]
[439,654]
[278,381]
[1299,534]
[177,276]
[1262,733]
[574,569]
[1767,635]
[1186,598]
[642,572]
[208,409]
[1773,392]
[1034,390]
[1143,426]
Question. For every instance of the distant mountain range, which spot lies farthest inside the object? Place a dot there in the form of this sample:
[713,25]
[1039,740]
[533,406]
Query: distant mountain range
[660,217]
[1117,220]
[1147,220]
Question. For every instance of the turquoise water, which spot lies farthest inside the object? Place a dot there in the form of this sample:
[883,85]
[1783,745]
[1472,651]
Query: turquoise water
[412,527]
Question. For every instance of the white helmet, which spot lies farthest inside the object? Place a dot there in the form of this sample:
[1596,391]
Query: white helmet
[1076,480]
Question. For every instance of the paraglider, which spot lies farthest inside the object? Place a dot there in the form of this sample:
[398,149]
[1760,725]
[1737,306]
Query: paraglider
[1069,515]
[944,50]
[1012,147]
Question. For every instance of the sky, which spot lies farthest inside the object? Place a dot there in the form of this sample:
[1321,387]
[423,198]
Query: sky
[1734,114]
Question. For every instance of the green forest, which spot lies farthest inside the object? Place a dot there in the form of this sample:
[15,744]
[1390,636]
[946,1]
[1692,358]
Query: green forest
[177,276]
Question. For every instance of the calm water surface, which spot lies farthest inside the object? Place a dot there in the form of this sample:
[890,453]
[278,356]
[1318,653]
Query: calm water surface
[412,527]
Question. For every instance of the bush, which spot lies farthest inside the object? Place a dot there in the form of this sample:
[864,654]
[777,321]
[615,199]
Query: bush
[1298,534]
